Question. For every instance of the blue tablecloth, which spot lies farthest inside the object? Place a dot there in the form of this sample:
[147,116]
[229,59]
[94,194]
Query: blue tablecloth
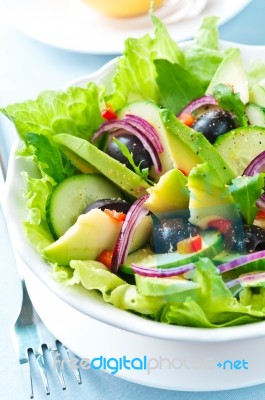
[26,68]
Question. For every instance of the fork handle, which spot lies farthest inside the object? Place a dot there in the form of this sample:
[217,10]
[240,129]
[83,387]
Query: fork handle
[27,311]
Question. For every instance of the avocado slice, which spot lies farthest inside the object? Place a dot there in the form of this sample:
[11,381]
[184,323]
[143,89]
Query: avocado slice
[92,233]
[86,239]
[79,162]
[212,245]
[118,173]
[209,197]
[231,72]
[148,286]
[189,148]
[169,194]
[142,233]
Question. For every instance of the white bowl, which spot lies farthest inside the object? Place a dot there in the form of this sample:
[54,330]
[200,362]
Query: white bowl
[185,358]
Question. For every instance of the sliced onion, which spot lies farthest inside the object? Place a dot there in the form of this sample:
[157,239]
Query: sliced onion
[197,103]
[241,261]
[163,273]
[246,280]
[140,124]
[123,243]
[255,167]
[139,128]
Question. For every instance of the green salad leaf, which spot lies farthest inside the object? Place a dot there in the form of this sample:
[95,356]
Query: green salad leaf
[75,111]
[204,56]
[207,36]
[230,101]
[256,73]
[212,306]
[36,226]
[95,276]
[246,190]
[178,87]
[49,158]
[135,76]
[256,81]
[254,298]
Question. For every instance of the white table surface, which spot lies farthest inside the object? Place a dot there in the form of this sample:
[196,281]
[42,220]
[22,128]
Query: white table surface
[26,68]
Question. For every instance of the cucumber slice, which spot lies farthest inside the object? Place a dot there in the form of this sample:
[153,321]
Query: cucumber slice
[212,245]
[240,146]
[256,115]
[73,195]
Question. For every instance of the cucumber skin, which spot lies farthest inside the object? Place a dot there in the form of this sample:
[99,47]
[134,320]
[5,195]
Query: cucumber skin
[55,219]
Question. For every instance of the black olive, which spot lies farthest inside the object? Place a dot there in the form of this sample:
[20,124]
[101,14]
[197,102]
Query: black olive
[251,239]
[214,123]
[254,238]
[168,232]
[140,155]
[110,204]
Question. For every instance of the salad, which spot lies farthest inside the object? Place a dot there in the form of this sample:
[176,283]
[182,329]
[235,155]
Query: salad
[152,193]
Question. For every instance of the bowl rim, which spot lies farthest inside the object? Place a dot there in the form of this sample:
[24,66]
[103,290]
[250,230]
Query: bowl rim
[80,299]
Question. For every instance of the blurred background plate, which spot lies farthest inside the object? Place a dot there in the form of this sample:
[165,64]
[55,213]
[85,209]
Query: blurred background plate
[71,25]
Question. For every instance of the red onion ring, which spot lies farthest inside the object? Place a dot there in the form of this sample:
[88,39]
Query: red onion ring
[197,103]
[162,273]
[123,243]
[252,277]
[241,261]
[139,128]
[256,166]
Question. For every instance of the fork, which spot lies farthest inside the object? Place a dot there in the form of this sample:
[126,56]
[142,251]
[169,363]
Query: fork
[31,337]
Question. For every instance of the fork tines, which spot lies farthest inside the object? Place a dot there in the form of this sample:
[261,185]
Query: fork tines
[39,358]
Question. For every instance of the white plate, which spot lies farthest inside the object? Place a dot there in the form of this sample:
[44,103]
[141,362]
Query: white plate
[71,25]
[191,357]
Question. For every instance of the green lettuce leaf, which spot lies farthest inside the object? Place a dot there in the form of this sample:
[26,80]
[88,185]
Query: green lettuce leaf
[49,158]
[64,275]
[177,86]
[36,195]
[246,190]
[93,275]
[204,56]
[212,306]
[207,36]
[254,298]
[135,77]
[256,73]
[75,111]
[256,82]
